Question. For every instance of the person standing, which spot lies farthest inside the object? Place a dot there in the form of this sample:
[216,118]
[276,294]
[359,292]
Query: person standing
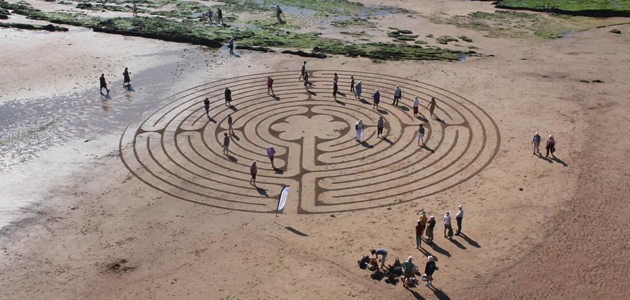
[421,135]
[551,145]
[419,234]
[335,88]
[536,142]
[231,45]
[377,99]
[459,218]
[271,152]
[423,222]
[126,78]
[253,170]
[306,81]
[226,144]
[206,105]
[228,97]
[382,252]
[397,95]
[219,15]
[303,71]
[379,127]
[352,84]
[431,106]
[359,130]
[416,104]
[210,15]
[135,9]
[447,225]
[103,84]
[359,90]
[230,122]
[429,230]
[270,86]
[278,14]
[429,269]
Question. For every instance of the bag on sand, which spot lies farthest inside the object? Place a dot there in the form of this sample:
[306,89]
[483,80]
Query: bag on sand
[364,262]
[450,232]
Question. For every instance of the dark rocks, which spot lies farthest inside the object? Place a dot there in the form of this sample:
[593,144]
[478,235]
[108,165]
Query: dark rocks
[305,54]
[48,27]
[615,31]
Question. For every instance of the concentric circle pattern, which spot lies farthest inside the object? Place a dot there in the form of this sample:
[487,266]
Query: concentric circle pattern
[178,150]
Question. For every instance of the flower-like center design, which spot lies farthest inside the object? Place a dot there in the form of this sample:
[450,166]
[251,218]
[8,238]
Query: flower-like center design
[320,126]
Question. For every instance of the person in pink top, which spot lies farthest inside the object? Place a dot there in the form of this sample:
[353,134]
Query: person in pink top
[270,86]
[270,153]
[253,170]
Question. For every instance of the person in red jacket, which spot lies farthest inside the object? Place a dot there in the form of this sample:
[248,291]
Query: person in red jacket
[270,86]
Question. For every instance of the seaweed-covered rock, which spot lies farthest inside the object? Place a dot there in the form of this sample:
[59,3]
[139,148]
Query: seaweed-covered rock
[305,54]
[48,27]
[445,39]
[253,48]
[615,31]
[465,39]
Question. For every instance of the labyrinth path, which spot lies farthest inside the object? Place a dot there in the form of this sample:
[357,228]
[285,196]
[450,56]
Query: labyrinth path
[178,151]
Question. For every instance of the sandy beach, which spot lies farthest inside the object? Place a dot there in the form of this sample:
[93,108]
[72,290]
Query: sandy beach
[128,196]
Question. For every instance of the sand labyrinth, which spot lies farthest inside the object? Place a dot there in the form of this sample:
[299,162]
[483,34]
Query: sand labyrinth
[178,151]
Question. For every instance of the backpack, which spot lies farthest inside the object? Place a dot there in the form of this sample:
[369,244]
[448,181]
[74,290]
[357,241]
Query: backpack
[363,263]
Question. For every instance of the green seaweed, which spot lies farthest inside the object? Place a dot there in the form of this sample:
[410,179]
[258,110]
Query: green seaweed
[359,22]
[568,5]
[445,39]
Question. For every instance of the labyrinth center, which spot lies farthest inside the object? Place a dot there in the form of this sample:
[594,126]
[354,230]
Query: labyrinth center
[178,151]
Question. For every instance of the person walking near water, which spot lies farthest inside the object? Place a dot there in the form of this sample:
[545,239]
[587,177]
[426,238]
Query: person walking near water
[231,45]
[270,86]
[126,78]
[271,152]
[551,146]
[448,229]
[377,99]
[359,90]
[228,97]
[253,170]
[219,16]
[352,84]
[226,144]
[210,15]
[397,95]
[379,127]
[421,135]
[303,71]
[278,14]
[103,84]
[359,130]
[429,230]
[206,106]
[431,106]
[230,121]
[429,269]
[416,104]
[134,9]
[536,143]
[459,218]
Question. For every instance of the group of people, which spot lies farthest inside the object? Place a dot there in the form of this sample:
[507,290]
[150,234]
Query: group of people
[126,81]
[550,147]
[218,16]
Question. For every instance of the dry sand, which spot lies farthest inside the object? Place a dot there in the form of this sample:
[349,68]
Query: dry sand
[536,228]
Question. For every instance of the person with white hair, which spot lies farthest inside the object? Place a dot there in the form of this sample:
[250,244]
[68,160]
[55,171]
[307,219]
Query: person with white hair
[377,99]
[429,269]
[397,95]
[459,218]
[407,271]
[536,143]
[416,104]
[447,225]
[359,130]
[551,145]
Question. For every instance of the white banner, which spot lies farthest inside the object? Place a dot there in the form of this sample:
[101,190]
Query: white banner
[283,198]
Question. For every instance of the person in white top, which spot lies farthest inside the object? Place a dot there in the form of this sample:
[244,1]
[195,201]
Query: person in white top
[447,225]
[459,218]
[359,130]
[416,103]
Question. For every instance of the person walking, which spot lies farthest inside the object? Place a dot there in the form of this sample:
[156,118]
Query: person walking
[379,127]
[359,130]
[231,45]
[429,230]
[303,71]
[278,14]
[382,252]
[421,135]
[126,78]
[423,221]
[419,234]
[306,81]
[429,269]
[253,170]
[352,84]
[536,143]
[270,86]
[358,90]
[397,95]
[206,106]
[103,84]
[408,267]
[377,99]
[271,152]
[226,144]
[210,15]
[228,97]
[431,106]
[551,146]
[416,104]
[459,218]
[230,121]
[219,16]
[134,9]
[335,87]
[448,229]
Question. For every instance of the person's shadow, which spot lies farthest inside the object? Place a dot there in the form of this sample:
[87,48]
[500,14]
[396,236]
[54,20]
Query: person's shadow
[130,88]
[387,140]
[275,97]
[340,102]
[232,107]
[427,147]
[416,294]
[232,158]
[278,171]
[439,249]
[364,101]
[458,244]
[366,144]
[470,241]
[262,191]
[560,161]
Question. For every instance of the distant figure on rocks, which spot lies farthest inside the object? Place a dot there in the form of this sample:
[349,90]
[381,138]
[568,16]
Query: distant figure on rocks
[421,135]
[226,143]
[278,14]
[335,86]
[134,10]
[306,81]
[459,218]
[448,229]
[377,99]
[431,106]
[126,78]
[103,84]
[271,152]
[270,86]
[230,121]
[219,15]
[382,252]
[210,15]
[303,71]
[551,146]
[231,45]
[429,230]
[429,269]
[416,104]
[206,105]
[359,130]
[228,97]
[253,170]
[359,90]
[379,127]
[352,84]
[397,95]
[536,143]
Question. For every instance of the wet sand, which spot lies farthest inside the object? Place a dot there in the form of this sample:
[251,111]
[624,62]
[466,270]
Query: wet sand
[80,225]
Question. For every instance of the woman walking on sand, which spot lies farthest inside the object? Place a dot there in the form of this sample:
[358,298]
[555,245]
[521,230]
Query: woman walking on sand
[448,229]
[228,97]
[226,144]
[359,89]
[416,103]
[429,230]
[551,145]
[536,142]
[431,106]
[359,130]
[253,170]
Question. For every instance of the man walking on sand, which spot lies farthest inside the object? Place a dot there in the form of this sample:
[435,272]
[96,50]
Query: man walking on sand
[551,146]
[397,95]
[231,45]
[429,269]
[270,86]
[226,144]
[377,99]
[230,121]
[126,78]
[335,87]
[352,84]
[103,84]
[305,81]
[253,170]
[379,127]
[421,135]
[303,71]
[271,152]
[206,105]
[459,218]
[228,97]
[419,230]
[536,142]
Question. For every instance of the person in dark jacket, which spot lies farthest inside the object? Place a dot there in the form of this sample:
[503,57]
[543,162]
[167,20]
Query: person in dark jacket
[228,97]
[429,269]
